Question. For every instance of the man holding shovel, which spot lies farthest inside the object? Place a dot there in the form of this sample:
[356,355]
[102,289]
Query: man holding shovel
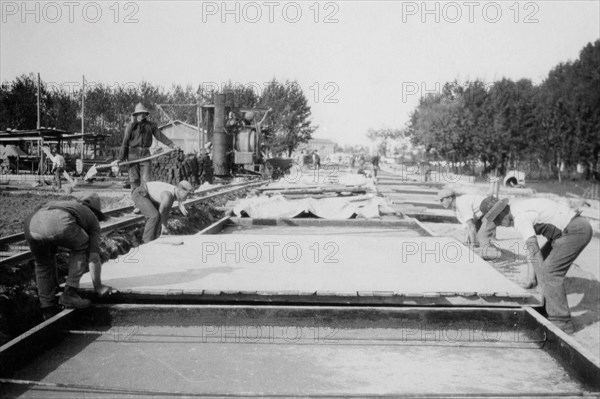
[58,167]
[136,145]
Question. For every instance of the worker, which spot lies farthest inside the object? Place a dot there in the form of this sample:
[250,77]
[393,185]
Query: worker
[316,160]
[466,210]
[426,171]
[72,225]
[375,162]
[58,167]
[136,145]
[154,200]
[567,233]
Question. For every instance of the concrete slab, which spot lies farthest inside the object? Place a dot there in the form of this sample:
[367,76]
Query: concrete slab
[323,264]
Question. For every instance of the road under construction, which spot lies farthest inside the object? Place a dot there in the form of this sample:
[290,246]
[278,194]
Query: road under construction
[326,287]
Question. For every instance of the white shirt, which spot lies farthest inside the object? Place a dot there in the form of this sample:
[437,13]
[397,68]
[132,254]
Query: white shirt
[532,214]
[58,161]
[467,207]
[156,188]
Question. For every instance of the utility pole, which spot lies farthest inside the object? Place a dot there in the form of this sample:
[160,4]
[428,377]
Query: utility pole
[200,132]
[82,116]
[39,125]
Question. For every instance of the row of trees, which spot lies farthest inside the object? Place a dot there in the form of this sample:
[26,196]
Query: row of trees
[107,107]
[555,124]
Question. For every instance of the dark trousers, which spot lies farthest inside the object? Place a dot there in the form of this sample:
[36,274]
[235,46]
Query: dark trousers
[139,173]
[45,231]
[149,209]
[57,176]
[558,256]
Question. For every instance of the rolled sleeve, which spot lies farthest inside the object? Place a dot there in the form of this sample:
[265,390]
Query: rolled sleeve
[524,224]
[90,224]
[161,137]
[485,233]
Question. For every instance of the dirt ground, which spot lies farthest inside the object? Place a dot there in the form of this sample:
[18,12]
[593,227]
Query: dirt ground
[19,308]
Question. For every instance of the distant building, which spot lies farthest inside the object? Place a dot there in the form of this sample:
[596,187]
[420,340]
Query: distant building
[183,135]
[324,147]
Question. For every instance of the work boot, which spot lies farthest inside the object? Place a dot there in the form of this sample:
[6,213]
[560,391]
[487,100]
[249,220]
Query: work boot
[71,299]
[565,325]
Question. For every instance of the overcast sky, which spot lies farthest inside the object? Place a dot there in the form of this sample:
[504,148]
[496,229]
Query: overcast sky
[362,64]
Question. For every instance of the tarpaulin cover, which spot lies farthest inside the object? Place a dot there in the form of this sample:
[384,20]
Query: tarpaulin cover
[11,151]
[365,206]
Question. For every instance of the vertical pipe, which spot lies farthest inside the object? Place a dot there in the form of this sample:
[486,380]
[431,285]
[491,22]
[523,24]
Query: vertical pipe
[220,137]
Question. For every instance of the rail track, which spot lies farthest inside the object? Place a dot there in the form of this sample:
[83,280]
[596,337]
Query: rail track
[14,249]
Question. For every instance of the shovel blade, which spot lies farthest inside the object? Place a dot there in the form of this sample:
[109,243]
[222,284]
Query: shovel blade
[68,177]
[91,172]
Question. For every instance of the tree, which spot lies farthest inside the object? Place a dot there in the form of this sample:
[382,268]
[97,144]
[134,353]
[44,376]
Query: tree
[383,137]
[289,120]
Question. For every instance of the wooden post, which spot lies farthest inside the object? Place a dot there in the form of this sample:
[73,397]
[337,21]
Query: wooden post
[494,184]
[39,123]
[82,117]
[200,132]
[41,165]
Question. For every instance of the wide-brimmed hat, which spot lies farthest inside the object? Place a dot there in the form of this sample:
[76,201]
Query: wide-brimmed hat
[491,207]
[444,193]
[140,109]
[92,201]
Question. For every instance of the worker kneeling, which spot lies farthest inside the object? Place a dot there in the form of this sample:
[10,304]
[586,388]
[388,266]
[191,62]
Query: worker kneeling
[154,200]
[73,225]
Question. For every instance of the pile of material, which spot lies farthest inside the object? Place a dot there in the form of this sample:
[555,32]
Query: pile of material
[176,166]
[314,195]
[319,185]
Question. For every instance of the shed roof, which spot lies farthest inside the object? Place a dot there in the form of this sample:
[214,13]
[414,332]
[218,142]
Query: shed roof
[178,122]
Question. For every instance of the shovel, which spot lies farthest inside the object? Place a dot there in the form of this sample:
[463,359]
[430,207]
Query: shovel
[95,168]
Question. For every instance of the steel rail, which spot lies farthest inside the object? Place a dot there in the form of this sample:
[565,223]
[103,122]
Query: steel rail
[112,390]
[17,237]
[108,227]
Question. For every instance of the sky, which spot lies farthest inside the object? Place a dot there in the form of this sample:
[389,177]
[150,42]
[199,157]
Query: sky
[362,64]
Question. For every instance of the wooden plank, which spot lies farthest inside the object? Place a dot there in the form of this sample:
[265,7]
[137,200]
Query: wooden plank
[397,222]
[22,349]
[570,353]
